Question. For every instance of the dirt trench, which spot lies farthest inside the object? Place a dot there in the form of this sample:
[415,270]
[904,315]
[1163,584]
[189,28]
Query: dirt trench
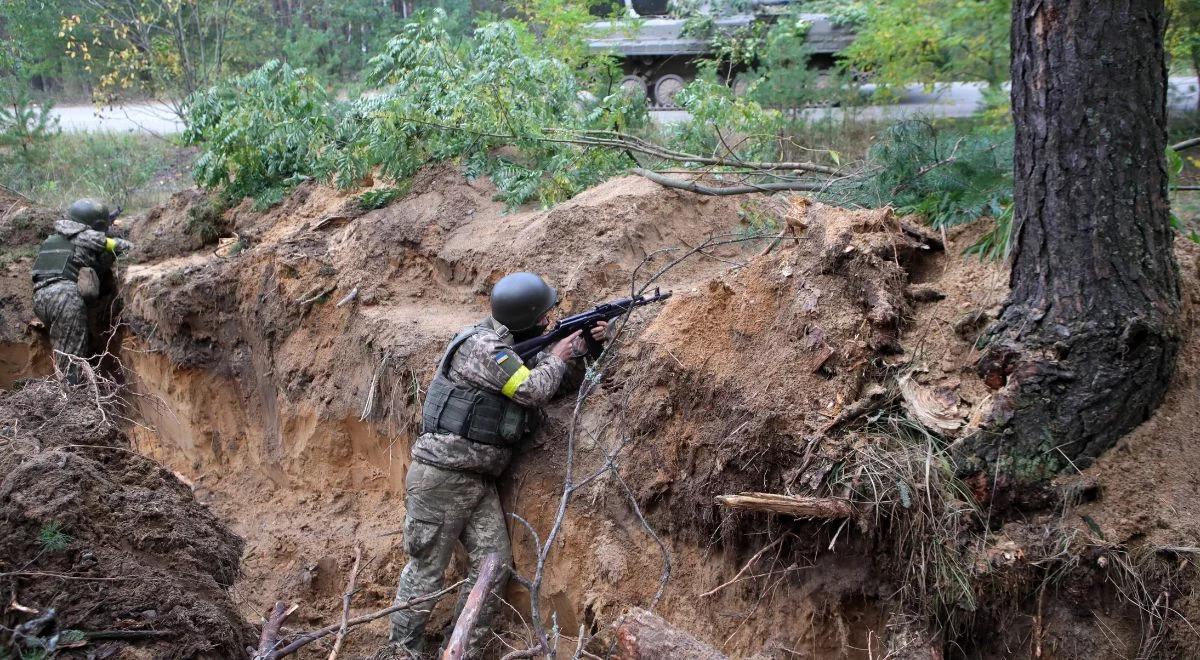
[280,374]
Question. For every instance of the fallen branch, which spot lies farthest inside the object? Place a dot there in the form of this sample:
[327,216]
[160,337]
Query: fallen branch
[350,583]
[269,638]
[348,298]
[790,505]
[692,186]
[873,400]
[311,298]
[1186,144]
[309,637]
[489,570]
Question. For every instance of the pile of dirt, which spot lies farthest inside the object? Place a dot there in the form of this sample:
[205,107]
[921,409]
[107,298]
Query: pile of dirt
[738,385]
[105,541]
[23,226]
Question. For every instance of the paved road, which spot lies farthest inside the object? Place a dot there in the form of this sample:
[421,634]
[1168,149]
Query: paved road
[152,118]
[945,100]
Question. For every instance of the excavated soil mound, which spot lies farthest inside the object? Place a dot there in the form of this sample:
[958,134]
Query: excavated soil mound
[109,540]
[738,383]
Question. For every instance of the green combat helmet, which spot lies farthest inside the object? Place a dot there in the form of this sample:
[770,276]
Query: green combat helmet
[92,213]
[519,300]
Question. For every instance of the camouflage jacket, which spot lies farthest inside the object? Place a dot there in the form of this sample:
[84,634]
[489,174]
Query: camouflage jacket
[475,363]
[93,249]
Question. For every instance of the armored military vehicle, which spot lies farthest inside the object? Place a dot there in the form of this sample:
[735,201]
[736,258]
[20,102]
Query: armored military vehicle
[659,57]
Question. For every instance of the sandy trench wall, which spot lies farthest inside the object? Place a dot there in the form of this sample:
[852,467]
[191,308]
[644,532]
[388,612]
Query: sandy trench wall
[262,399]
[23,353]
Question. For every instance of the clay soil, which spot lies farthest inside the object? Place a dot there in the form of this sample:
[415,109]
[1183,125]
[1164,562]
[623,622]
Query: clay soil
[280,373]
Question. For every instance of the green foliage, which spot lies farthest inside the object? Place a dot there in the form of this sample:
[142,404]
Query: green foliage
[52,537]
[443,98]
[951,179]
[1183,33]
[381,197]
[263,132]
[782,76]
[903,41]
[25,129]
[205,218]
[722,121]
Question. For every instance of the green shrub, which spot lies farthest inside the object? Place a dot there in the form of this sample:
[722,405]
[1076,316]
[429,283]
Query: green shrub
[52,538]
[444,98]
[263,132]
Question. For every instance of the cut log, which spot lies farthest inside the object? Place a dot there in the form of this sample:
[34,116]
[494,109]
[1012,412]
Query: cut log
[642,635]
[488,572]
[789,505]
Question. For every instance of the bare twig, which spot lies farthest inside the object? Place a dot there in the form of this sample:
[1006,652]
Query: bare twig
[320,292]
[350,588]
[309,637]
[745,568]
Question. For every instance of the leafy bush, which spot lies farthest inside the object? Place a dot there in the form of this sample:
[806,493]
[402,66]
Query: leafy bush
[444,98]
[263,132]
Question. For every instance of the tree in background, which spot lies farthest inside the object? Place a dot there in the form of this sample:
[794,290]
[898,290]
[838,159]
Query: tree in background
[1087,340]
[25,126]
[1183,36]
[164,49]
[928,41]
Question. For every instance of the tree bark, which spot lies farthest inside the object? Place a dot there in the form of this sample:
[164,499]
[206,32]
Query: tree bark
[1086,343]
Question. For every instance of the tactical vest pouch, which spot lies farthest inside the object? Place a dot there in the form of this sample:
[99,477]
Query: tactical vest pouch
[55,259]
[472,413]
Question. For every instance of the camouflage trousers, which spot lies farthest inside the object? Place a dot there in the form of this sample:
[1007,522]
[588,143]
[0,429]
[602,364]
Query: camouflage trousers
[63,311]
[445,506]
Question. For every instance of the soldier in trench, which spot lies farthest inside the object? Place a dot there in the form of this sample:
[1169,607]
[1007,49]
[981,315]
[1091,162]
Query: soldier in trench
[482,402]
[72,276]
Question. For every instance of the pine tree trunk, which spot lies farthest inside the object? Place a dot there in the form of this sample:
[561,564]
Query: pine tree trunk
[1087,340]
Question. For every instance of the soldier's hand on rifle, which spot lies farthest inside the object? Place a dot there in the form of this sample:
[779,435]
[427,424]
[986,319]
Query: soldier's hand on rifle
[600,331]
[569,347]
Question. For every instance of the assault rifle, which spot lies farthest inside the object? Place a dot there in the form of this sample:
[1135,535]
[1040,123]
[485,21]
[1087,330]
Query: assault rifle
[585,321]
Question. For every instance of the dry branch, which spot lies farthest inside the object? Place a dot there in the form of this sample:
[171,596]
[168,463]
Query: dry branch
[790,505]
[489,570]
[309,637]
[1186,144]
[350,584]
[692,186]
[644,636]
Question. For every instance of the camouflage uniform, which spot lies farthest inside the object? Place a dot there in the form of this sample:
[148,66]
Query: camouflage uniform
[451,486]
[57,300]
